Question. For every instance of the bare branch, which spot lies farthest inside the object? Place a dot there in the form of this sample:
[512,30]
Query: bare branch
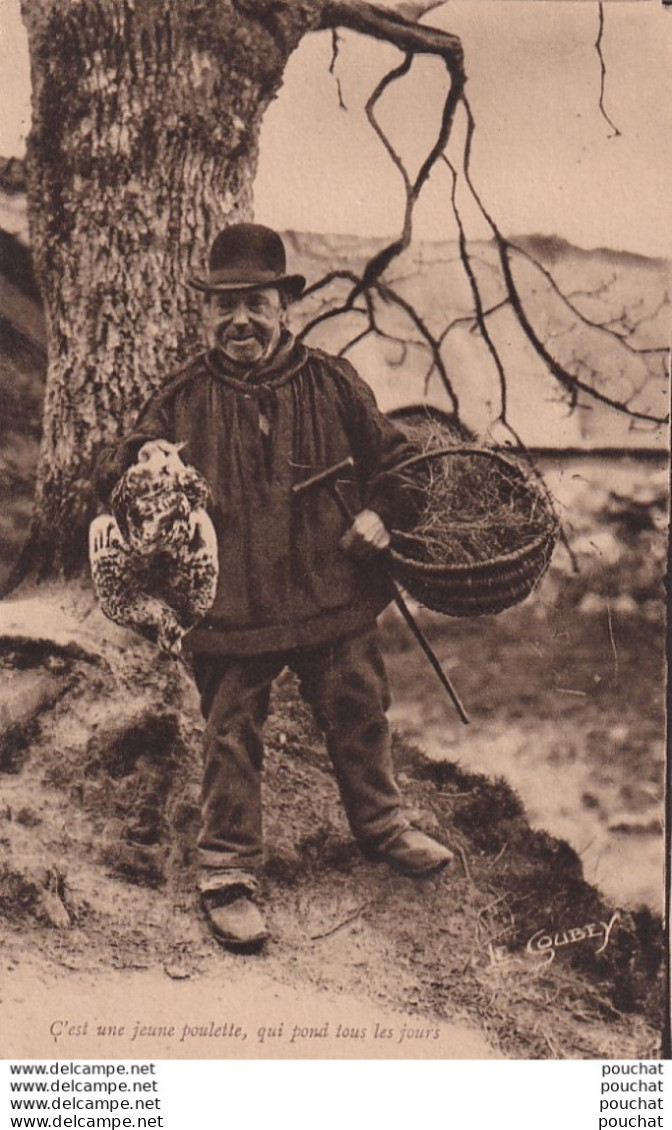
[437,261]
[412,39]
[391,296]
[374,269]
[396,27]
[603,71]
[382,260]
[392,27]
[568,380]
[630,327]
[601,327]
[386,80]
[335,44]
[416,11]
[388,294]
[356,340]
[470,319]
[596,291]
[476,295]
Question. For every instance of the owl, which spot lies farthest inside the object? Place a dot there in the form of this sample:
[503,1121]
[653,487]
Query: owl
[154,558]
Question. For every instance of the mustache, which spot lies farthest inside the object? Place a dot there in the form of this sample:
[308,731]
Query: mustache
[225,334]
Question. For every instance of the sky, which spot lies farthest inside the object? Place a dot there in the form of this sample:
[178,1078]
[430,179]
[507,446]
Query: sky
[543,157]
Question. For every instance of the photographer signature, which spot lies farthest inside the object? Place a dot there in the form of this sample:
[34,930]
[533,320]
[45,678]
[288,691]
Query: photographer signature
[546,943]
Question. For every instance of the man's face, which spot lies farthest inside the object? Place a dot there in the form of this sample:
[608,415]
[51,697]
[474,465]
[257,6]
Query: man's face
[245,324]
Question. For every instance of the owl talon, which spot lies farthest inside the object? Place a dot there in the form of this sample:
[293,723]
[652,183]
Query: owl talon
[196,540]
[104,535]
[170,641]
[202,534]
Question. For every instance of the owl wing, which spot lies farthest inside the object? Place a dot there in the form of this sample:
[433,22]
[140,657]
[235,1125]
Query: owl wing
[120,582]
[111,566]
[194,486]
[194,571]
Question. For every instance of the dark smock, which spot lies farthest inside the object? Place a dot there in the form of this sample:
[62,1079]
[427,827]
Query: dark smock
[284,581]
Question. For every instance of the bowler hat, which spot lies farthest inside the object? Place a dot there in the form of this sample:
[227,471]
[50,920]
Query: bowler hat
[244,256]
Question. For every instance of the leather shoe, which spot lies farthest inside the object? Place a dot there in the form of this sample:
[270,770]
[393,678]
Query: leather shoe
[234,918]
[414,853]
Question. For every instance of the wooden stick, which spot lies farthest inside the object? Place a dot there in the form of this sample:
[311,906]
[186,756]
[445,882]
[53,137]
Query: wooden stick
[327,478]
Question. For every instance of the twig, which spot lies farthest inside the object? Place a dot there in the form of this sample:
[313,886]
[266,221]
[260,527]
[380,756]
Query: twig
[601,327]
[391,296]
[339,925]
[497,858]
[603,70]
[554,1051]
[335,44]
[612,641]
[585,847]
[388,295]
[463,856]
[475,292]
[491,905]
[411,39]
[594,996]
[471,318]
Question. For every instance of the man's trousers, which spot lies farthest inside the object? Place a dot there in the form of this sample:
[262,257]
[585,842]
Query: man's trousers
[346,686]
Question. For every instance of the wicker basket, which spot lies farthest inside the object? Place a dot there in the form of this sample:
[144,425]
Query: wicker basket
[487,586]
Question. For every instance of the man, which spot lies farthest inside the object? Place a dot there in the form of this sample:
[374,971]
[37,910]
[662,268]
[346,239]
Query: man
[258,413]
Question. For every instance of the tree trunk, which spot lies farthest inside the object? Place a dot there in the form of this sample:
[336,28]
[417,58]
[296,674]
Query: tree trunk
[144,144]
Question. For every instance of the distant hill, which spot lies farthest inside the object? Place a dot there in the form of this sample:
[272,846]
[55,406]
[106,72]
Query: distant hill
[551,248]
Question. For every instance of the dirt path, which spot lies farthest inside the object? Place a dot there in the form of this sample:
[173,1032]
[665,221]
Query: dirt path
[229,1011]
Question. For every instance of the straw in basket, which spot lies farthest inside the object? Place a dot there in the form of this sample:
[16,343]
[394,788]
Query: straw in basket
[485,533]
